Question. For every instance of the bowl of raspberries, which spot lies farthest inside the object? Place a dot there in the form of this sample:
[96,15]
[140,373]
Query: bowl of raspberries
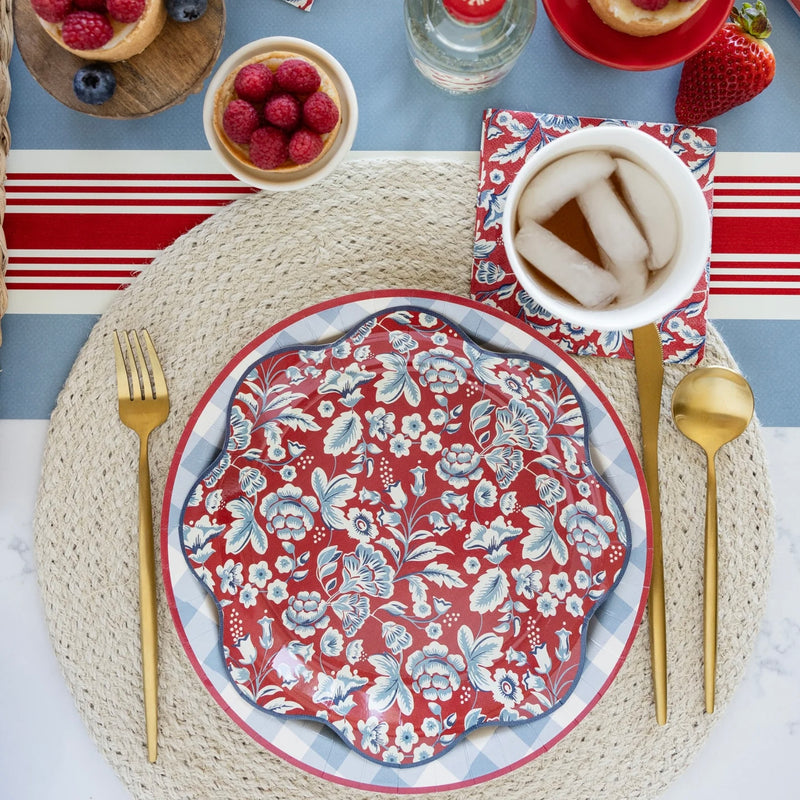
[280,113]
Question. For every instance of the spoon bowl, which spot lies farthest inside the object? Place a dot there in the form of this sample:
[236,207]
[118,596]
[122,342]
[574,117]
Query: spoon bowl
[711,406]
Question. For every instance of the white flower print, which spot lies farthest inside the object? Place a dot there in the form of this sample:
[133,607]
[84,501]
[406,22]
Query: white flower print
[259,573]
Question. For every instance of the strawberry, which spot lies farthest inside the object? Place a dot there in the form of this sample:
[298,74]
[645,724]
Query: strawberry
[735,66]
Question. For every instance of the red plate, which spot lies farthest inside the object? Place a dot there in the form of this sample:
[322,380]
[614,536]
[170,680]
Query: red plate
[588,35]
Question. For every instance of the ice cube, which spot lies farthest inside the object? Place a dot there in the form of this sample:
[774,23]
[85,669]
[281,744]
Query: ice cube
[633,277]
[649,202]
[560,181]
[612,225]
[589,284]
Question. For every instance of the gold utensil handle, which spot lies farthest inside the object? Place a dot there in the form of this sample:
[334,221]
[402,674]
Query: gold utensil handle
[710,586]
[656,605]
[649,378]
[147,603]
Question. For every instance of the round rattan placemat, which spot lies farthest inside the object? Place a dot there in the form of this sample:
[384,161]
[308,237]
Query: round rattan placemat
[374,224]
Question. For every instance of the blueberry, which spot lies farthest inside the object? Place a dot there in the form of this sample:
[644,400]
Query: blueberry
[186,10]
[94,84]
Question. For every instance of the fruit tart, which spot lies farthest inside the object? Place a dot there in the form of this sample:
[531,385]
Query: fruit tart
[277,112]
[102,30]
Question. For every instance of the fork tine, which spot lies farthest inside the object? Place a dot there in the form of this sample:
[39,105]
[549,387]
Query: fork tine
[123,381]
[139,392]
[159,382]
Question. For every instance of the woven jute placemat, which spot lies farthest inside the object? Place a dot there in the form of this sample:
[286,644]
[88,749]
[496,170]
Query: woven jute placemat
[373,225]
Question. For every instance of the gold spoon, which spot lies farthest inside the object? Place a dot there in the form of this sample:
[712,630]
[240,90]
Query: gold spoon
[711,406]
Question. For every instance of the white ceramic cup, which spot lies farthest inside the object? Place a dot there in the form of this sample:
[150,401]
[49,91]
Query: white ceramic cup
[673,283]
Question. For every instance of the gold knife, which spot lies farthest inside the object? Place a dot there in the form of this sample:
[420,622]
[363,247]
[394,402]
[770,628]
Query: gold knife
[648,358]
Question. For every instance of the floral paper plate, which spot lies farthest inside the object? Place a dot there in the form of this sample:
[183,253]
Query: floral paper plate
[405,539]
[404,536]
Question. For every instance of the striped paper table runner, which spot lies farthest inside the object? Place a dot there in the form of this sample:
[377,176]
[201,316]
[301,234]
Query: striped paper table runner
[80,225]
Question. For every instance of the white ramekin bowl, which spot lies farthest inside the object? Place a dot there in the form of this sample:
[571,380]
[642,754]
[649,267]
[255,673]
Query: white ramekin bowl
[297,178]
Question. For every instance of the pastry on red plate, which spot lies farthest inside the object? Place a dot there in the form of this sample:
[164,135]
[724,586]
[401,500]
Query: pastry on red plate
[645,17]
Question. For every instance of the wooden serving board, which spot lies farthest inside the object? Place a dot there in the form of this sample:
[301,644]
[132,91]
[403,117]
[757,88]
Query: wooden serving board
[163,75]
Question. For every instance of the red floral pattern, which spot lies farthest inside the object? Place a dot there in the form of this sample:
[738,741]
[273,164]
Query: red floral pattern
[404,536]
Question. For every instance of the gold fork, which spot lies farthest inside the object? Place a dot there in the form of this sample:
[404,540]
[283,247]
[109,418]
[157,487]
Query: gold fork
[143,406]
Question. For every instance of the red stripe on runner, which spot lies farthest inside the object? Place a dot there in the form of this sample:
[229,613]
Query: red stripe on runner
[121,176]
[98,287]
[73,273]
[756,278]
[96,231]
[105,202]
[12,190]
[750,206]
[758,290]
[755,234]
[53,259]
[721,264]
[755,179]
[757,192]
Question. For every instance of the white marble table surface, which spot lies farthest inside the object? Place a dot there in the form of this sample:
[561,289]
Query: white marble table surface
[46,753]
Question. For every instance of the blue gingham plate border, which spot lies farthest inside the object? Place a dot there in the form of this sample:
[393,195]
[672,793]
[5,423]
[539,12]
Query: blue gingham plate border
[488,752]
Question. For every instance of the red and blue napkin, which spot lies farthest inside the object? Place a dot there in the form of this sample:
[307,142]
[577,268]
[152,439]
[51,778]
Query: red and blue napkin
[507,139]
[305,5]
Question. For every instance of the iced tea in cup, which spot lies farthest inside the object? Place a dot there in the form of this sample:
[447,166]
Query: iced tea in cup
[606,228]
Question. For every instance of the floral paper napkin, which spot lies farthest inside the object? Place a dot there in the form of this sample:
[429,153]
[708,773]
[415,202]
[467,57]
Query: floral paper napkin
[507,139]
[305,5]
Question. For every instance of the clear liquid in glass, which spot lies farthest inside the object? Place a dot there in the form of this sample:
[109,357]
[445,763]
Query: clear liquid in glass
[466,56]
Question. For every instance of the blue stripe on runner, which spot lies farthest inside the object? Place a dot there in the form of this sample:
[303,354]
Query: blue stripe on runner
[36,357]
[775,379]
[29,386]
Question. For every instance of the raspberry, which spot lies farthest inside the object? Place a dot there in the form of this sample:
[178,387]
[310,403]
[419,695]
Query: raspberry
[239,120]
[125,10]
[86,30]
[90,5]
[304,146]
[269,148]
[52,10]
[296,75]
[283,111]
[254,82]
[650,5]
[320,113]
